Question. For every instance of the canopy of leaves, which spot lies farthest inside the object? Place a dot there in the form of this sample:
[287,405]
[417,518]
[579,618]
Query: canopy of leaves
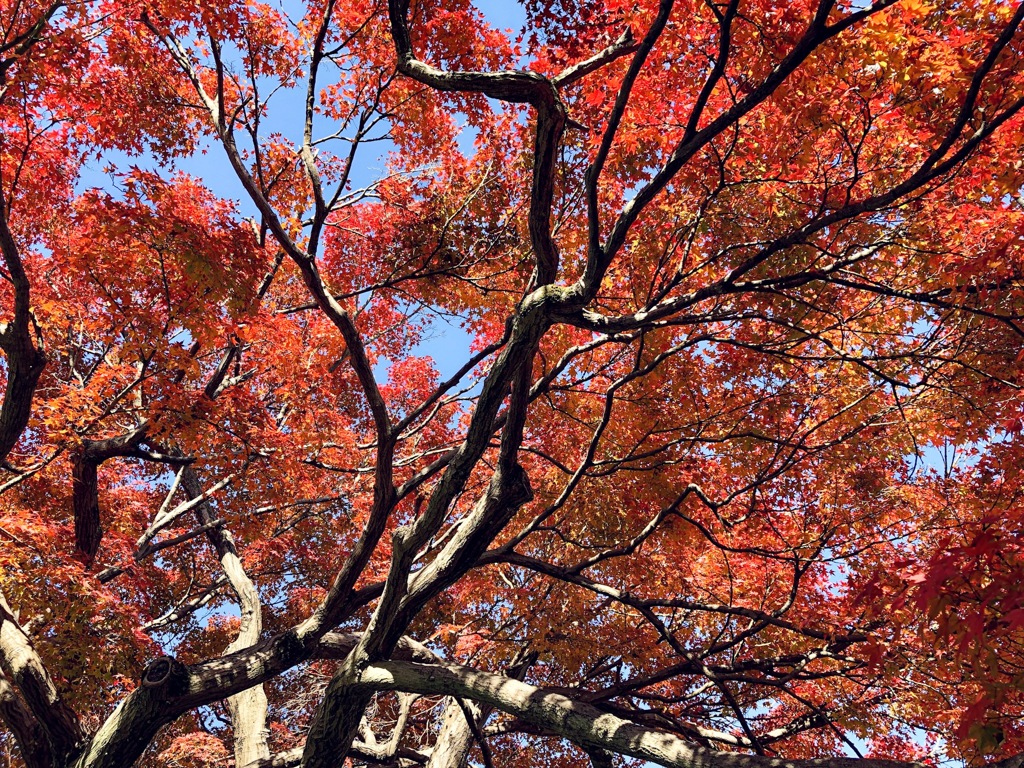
[732,456]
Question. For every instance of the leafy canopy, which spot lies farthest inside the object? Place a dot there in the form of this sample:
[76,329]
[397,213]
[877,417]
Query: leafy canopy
[731,463]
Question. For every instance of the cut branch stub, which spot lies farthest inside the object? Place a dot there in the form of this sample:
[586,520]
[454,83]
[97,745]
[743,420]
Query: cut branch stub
[167,675]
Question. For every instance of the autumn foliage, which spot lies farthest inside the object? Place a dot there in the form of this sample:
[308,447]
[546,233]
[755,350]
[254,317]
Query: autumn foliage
[729,462]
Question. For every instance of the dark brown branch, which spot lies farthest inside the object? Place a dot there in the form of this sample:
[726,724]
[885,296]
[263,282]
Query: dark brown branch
[329,613]
[25,358]
[85,489]
[517,87]
[594,255]
[600,256]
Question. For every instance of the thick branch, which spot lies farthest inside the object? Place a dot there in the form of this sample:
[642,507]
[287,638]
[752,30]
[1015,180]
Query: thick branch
[336,722]
[585,725]
[359,751]
[248,708]
[455,738]
[85,484]
[21,665]
[169,688]
[462,721]
[517,87]
[25,358]
[31,739]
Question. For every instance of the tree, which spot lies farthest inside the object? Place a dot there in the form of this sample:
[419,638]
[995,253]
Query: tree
[730,474]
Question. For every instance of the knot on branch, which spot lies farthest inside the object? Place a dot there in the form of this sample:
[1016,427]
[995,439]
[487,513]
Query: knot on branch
[288,647]
[166,676]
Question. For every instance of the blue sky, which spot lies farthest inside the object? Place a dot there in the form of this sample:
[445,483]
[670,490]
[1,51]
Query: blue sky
[502,13]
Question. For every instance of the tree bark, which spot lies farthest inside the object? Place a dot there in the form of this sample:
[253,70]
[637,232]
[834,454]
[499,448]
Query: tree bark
[25,358]
[455,739]
[15,715]
[85,485]
[457,735]
[21,665]
[248,708]
[584,724]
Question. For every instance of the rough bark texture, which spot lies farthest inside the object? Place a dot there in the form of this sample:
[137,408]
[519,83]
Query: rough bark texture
[455,739]
[582,723]
[15,715]
[442,541]
[21,665]
[458,734]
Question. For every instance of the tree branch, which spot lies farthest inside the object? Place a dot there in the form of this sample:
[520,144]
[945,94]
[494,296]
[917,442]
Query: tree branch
[248,708]
[25,358]
[22,723]
[85,488]
[169,689]
[20,664]
[586,725]
[517,87]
